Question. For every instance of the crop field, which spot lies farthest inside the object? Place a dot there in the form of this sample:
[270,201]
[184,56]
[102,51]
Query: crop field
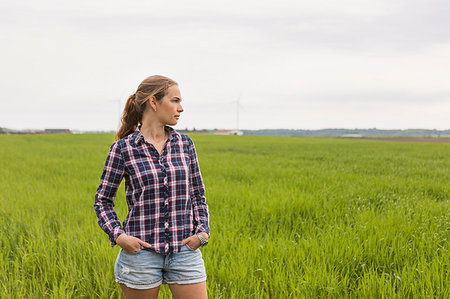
[290,217]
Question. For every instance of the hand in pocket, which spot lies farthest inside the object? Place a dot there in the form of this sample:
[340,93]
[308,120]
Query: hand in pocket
[130,244]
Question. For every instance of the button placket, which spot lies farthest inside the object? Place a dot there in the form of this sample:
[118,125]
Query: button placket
[166,201]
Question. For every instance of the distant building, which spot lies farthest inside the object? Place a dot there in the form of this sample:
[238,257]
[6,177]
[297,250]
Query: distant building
[31,131]
[352,135]
[228,132]
[57,131]
[204,131]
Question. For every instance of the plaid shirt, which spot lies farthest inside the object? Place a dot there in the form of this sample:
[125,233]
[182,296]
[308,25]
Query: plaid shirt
[164,193]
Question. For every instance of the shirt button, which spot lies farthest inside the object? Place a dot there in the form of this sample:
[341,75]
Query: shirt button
[166,224]
[166,202]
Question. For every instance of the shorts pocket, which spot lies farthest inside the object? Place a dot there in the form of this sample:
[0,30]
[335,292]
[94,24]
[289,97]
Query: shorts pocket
[190,247]
[127,259]
[133,253]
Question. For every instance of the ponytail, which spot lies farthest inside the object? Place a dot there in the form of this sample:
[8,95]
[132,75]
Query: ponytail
[130,118]
[136,104]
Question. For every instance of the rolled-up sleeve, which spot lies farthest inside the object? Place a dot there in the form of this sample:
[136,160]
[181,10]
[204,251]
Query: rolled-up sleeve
[110,180]
[197,193]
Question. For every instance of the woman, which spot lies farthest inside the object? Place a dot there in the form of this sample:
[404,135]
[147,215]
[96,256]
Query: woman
[168,217]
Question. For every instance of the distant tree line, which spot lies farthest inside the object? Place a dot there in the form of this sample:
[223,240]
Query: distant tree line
[342,132]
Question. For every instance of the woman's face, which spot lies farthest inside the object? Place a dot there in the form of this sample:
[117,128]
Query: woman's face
[169,109]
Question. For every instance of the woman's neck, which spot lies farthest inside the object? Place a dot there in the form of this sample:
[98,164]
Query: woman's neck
[156,133]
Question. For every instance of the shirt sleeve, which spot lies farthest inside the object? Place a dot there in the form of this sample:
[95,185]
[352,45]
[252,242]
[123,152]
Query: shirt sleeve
[197,191]
[111,177]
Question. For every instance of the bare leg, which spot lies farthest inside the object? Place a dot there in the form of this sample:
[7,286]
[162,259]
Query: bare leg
[130,293]
[189,291]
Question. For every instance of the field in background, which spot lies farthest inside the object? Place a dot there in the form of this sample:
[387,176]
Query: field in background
[410,139]
[290,217]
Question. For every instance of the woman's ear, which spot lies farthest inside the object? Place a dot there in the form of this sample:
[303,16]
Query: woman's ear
[152,102]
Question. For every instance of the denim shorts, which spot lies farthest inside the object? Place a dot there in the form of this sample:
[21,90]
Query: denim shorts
[147,269]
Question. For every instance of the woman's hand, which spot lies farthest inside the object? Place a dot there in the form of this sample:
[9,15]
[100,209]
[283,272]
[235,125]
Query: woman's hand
[131,244]
[194,241]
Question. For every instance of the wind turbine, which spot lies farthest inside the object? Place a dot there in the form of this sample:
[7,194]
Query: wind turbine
[119,107]
[238,105]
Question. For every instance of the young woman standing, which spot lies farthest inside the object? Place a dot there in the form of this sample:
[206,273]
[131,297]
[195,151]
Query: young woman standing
[168,217]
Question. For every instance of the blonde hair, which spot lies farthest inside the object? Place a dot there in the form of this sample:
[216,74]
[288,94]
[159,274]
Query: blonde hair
[136,104]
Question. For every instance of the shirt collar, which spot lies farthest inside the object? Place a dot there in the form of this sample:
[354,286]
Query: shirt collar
[138,137]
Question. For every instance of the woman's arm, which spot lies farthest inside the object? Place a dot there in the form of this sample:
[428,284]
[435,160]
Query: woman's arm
[111,177]
[197,191]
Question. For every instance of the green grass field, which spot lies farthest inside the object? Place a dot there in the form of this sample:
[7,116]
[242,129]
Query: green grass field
[290,217]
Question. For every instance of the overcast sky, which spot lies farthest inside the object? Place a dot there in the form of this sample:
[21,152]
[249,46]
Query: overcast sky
[292,64]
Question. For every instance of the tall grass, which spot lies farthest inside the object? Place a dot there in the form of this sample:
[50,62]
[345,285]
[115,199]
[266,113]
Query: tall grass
[290,217]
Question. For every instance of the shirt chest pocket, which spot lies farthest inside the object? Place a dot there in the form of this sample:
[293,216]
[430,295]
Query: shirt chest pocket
[143,171]
[179,167]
